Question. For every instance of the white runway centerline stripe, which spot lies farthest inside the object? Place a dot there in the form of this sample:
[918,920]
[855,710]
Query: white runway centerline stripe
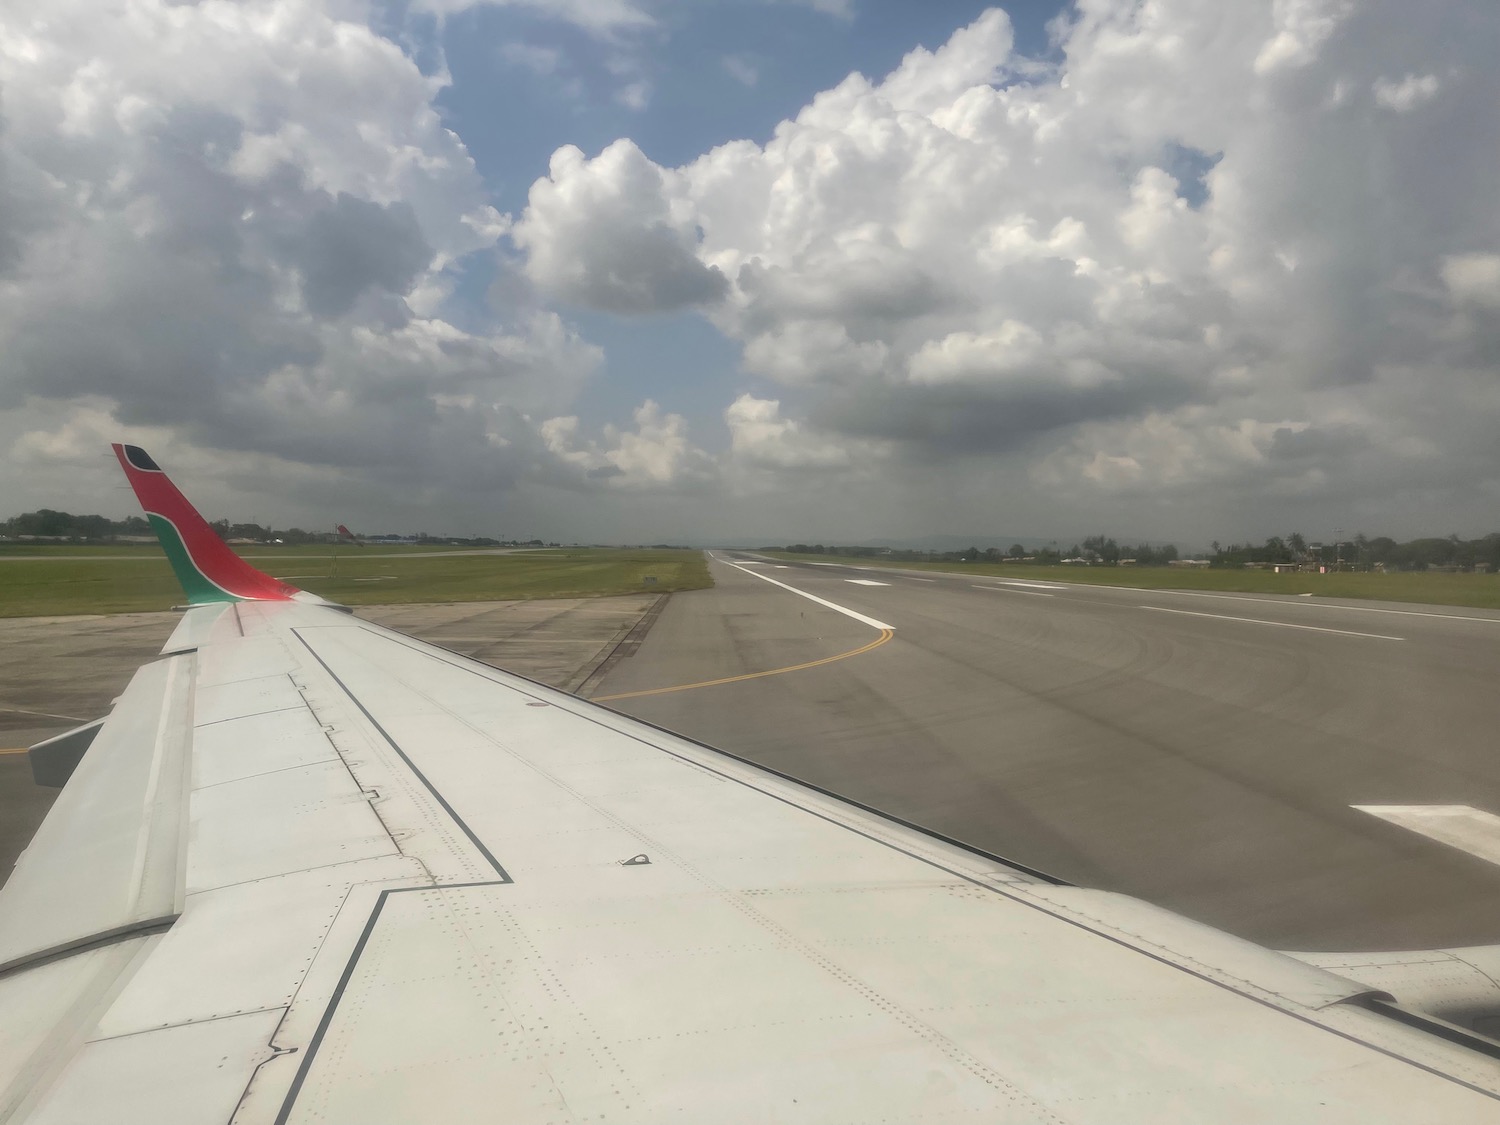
[866,582]
[1277,624]
[845,610]
[1459,826]
[1008,590]
[1032,585]
[1313,605]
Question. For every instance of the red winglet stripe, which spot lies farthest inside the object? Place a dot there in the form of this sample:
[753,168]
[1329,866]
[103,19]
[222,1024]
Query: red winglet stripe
[209,554]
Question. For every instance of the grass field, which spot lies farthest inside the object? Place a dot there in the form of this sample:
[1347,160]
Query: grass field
[97,580]
[1481,591]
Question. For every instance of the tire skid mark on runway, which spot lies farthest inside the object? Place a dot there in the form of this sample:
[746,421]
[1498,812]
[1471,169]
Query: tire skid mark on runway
[885,635]
[1277,624]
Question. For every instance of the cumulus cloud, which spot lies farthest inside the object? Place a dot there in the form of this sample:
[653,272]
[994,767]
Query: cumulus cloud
[1299,29]
[761,438]
[600,17]
[1201,250]
[1407,94]
[1189,233]
[234,224]
[1473,278]
[1165,449]
[656,454]
[603,233]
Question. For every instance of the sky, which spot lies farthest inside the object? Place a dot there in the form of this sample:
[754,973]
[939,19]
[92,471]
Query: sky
[758,271]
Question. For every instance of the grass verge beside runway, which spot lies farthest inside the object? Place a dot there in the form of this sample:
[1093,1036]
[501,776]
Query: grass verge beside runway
[53,587]
[1480,591]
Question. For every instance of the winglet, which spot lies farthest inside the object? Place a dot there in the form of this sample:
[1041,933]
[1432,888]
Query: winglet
[208,570]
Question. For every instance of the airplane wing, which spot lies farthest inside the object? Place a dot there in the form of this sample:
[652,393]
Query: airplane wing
[313,870]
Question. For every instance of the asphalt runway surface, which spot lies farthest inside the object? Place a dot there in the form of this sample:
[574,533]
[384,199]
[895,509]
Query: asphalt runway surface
[1203,752]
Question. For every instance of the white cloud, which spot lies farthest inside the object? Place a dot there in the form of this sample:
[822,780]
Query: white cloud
[599,17]
[1174,232]
[634,95]
[236,223]
[1009,350]
[656,454]
[741,69]
[602,232]
[1204,250]
[1189,447]
[1301,27]
[1473,278]
[760,438]
[1406,95]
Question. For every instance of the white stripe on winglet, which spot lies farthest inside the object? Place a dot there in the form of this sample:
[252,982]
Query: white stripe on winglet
[1459,826]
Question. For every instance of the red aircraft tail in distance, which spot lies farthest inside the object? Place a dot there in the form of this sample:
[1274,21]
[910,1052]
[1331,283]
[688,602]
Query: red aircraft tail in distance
[208,570]
[345,533]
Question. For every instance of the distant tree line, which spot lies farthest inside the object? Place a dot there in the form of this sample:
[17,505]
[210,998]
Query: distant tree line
[1096,549]
[48,524]
[64,526]
[1363,553]
[1357,553]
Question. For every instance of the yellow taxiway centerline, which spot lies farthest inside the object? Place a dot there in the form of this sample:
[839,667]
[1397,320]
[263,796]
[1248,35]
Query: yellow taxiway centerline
[885,635]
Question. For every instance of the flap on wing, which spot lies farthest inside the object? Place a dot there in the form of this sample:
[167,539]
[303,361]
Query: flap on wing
[54,760]
[108,860]
[1223,958]
[202,625]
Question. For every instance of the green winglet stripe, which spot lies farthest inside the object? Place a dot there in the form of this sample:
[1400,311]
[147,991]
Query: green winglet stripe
[199,590]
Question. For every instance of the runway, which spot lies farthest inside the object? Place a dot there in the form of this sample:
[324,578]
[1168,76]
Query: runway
[1203,752]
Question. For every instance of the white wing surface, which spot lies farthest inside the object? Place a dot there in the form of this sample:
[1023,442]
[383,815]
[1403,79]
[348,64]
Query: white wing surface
[312,870]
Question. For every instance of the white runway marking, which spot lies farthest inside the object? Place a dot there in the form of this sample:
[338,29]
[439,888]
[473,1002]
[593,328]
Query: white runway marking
[1032,585]
[1459,826]
[1007,590]
[1318,605]
[912,579]
[1278,624]
[866,582]
[46,714]
[845,610]
[779,566]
